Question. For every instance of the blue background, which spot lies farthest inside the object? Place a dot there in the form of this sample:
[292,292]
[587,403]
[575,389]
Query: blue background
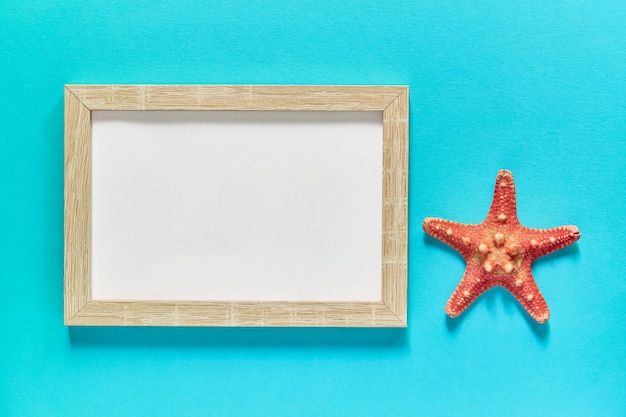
[533,86]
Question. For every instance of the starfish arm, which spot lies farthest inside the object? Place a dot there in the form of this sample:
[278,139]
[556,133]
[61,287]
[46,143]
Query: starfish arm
[529,296]
[472,285]
[504,200]
[452,233]
[541,242]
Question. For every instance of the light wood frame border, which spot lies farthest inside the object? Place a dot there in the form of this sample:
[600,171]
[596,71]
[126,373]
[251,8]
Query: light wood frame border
[81,310]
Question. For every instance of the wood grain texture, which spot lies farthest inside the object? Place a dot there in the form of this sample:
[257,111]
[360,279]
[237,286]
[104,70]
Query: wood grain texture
[239,97]
[257,314]
[395,205]
[81,310]
[77,194]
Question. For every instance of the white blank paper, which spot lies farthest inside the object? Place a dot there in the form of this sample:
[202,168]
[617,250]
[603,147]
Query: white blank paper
[260,206]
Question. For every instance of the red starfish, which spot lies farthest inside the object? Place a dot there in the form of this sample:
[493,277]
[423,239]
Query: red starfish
[500,251]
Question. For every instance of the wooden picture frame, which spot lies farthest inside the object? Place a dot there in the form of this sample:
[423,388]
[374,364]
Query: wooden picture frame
[82,310]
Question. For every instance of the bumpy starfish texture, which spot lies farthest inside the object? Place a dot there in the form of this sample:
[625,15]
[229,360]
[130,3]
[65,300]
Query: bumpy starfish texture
[500,252]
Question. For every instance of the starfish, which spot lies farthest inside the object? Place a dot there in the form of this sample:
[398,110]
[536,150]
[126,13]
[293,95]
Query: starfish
[500,251]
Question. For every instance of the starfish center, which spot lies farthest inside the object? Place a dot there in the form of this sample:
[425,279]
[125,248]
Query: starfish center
[499,253]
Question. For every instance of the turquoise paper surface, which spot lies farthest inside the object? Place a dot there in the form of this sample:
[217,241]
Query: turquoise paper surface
[535,87]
